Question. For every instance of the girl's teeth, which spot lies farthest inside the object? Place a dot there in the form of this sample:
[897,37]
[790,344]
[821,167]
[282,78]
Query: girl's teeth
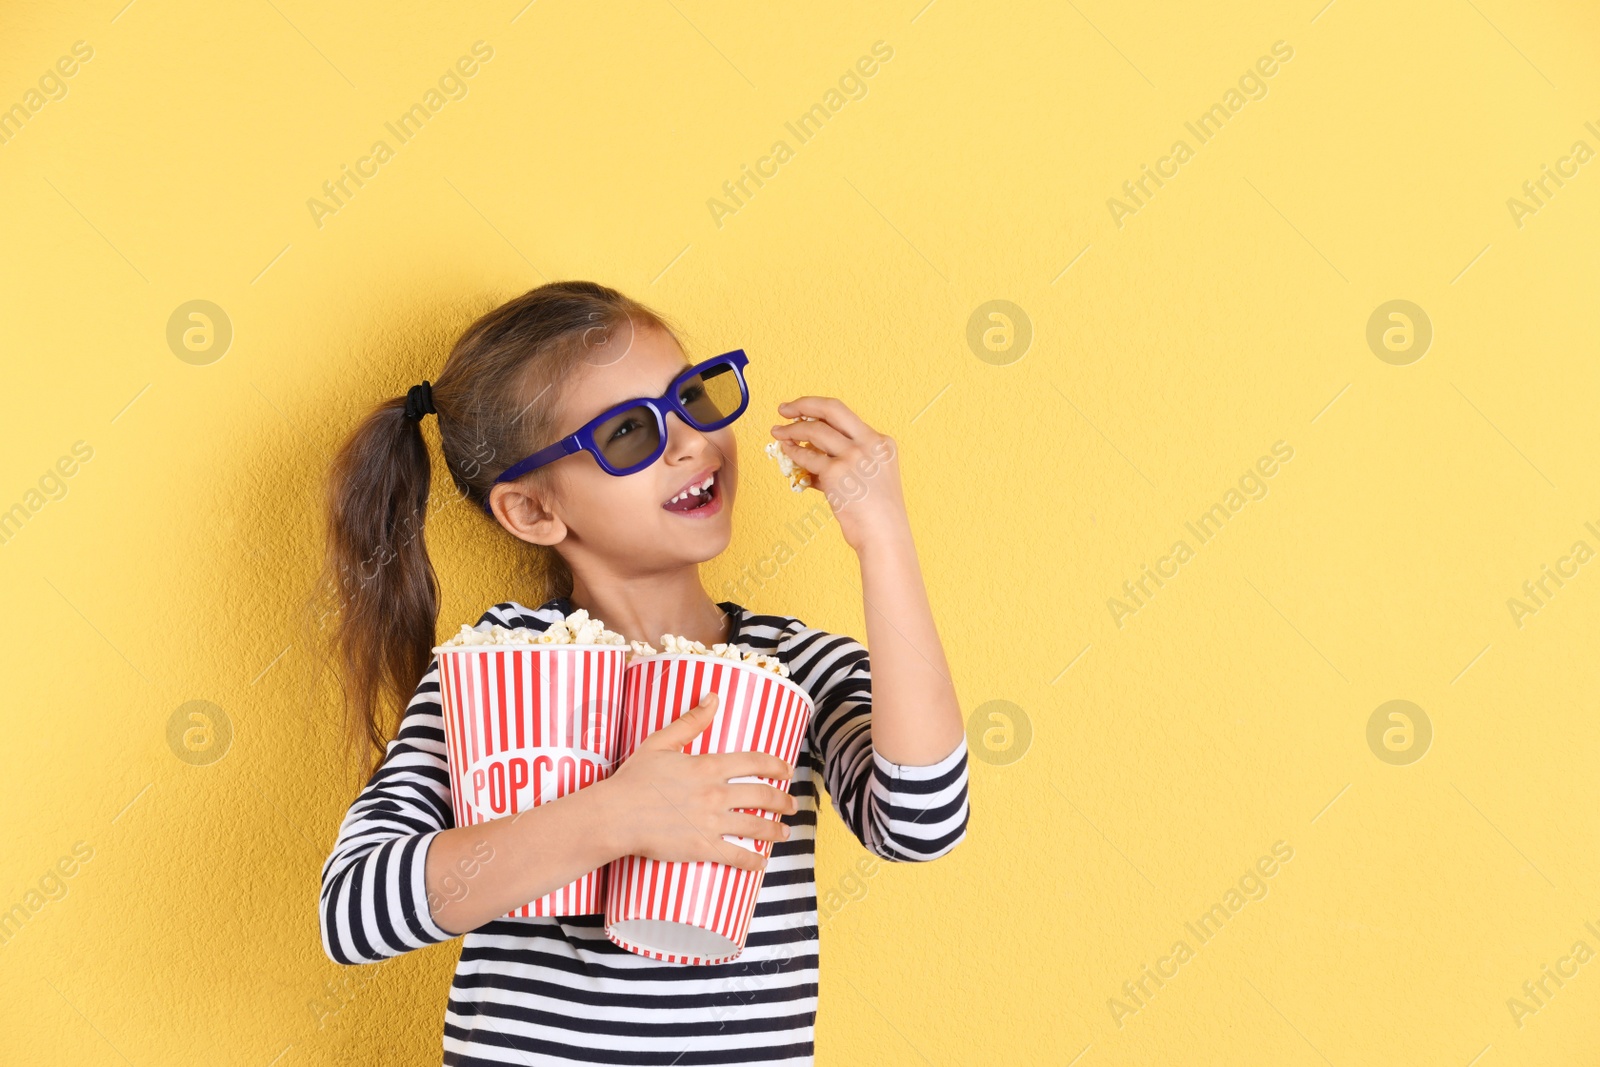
[702,487]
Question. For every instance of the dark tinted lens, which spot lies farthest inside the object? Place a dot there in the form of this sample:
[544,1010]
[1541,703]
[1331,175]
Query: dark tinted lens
[628,438]
[711,396]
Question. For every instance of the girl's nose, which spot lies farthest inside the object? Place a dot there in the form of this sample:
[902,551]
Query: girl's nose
[681,436]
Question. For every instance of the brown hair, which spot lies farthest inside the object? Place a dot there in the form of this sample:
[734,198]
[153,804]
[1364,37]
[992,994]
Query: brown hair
[496,399]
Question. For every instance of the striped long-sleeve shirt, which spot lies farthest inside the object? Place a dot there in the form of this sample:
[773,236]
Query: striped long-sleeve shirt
[556,990]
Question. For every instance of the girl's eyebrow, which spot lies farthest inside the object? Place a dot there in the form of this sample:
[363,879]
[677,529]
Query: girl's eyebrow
[631,397]
[608,405]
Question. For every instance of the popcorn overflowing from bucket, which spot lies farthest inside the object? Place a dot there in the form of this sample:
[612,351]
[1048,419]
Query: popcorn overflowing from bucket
[577,628]
[799,477]
[580,628]
[672,644]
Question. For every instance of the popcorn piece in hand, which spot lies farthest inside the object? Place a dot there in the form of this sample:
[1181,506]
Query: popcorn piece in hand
[799,477]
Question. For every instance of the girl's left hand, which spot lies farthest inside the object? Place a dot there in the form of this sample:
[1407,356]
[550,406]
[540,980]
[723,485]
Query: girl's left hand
[854,466]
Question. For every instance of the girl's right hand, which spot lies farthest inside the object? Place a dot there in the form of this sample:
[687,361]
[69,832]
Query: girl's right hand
[676,807]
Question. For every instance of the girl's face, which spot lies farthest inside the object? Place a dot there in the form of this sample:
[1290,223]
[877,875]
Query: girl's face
[626,524]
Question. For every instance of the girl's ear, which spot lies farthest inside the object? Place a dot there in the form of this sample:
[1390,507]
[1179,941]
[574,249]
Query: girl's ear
[522,512]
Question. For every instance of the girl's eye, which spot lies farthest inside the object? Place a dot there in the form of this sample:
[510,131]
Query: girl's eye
[621,430]
[691,393]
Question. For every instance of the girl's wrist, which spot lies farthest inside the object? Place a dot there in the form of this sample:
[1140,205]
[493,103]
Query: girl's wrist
[890,541]
[601,817]
[611,825]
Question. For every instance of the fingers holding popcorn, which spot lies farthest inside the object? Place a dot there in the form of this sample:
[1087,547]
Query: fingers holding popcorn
[831,409]
[816,433]
[809,459]
[835,434]
[854,466]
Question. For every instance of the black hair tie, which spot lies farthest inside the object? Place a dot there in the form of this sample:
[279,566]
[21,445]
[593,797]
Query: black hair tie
[419,401]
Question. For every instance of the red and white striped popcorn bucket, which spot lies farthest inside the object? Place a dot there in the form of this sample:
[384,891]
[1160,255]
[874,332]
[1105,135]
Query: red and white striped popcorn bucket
[699,912]
[525,724]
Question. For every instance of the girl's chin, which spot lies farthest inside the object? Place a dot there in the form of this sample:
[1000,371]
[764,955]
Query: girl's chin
[705,548]
[701,540]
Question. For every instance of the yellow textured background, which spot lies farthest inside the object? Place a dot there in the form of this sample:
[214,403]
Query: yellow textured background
[1166,754]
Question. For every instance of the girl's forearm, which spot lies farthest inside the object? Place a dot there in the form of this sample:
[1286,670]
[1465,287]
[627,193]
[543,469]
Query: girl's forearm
[477,873]
[916,716]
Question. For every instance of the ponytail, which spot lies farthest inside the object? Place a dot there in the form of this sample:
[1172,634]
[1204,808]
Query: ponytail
[385,588]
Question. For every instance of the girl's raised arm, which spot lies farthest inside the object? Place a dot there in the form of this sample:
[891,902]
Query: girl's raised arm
[910,796]
[918,717]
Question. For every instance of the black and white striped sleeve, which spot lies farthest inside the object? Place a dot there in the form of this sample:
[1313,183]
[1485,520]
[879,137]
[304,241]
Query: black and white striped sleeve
[897,811]
[374,901]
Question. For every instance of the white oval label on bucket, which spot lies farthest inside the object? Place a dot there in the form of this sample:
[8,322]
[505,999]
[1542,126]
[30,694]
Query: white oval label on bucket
[521,778]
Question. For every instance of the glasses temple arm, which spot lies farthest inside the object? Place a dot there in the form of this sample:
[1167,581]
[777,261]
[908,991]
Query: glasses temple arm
[564,447]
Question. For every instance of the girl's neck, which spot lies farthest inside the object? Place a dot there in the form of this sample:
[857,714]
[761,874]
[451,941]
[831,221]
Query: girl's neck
[644,609]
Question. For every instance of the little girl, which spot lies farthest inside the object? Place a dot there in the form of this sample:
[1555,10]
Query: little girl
[621,515]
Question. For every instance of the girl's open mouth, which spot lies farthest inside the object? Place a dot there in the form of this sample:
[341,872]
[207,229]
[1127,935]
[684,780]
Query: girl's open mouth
[699,505]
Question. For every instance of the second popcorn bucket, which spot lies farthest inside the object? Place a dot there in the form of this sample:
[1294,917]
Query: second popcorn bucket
[699,912]
[526,723]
